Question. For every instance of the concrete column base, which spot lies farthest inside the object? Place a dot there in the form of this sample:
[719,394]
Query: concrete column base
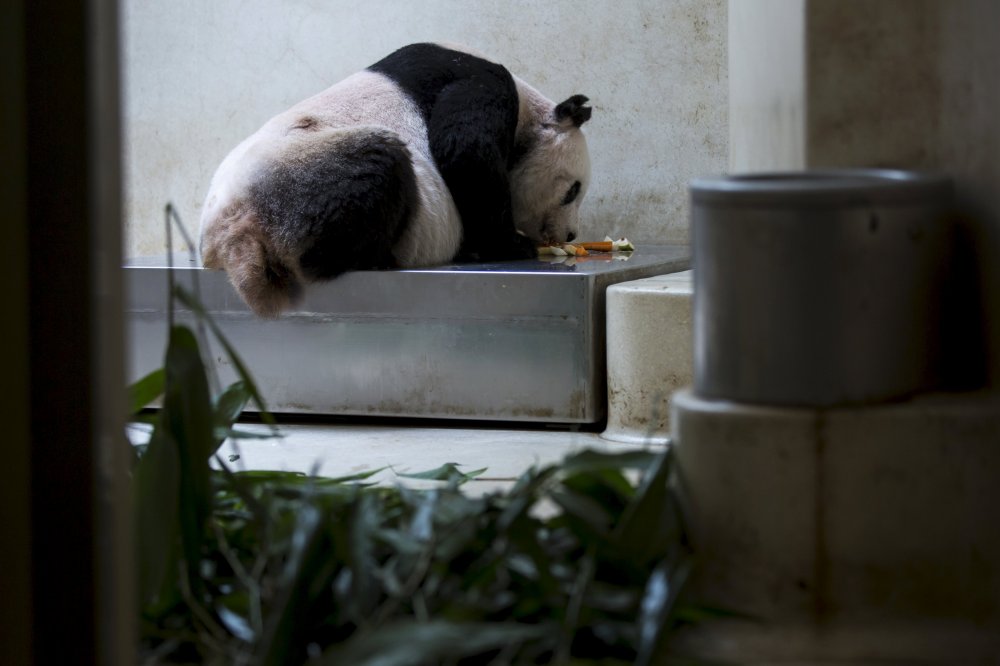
[859,535]
[649,346]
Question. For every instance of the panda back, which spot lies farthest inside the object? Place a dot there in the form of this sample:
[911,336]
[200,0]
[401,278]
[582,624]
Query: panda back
[371,99]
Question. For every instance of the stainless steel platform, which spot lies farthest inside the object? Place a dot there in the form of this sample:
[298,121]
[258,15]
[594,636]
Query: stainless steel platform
[513,341]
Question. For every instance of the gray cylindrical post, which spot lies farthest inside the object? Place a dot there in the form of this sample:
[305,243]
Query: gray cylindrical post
[818,288]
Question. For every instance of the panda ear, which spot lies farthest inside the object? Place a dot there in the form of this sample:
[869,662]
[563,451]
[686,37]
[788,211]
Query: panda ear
[572,111]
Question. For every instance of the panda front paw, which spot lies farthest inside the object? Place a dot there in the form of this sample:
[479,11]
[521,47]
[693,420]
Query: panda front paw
[497,247]
[516,246]
[524,247]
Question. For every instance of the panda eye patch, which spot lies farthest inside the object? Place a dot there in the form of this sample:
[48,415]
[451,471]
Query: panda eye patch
[571,194]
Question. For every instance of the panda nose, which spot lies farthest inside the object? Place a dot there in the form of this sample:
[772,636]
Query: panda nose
[570,236]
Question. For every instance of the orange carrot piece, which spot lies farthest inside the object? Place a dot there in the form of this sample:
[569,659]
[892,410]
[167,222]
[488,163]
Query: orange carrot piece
[599,246]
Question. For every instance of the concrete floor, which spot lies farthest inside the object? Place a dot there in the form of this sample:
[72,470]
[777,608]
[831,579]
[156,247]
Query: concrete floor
[340,449]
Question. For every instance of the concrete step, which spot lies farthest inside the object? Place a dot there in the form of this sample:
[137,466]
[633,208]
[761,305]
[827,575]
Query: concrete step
[649,347]
[869,534]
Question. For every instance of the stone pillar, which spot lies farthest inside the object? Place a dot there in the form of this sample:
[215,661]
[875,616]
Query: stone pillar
[868,534]
[649,355]
[907,84]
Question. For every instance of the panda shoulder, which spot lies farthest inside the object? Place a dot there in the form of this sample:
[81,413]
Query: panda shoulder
[462,48]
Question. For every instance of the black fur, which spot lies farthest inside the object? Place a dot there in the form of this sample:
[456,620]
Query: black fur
[574,109]
[345,209]
[470,107]
[571,194]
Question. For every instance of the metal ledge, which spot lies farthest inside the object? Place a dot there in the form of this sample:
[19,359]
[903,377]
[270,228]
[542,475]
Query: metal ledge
[512,341]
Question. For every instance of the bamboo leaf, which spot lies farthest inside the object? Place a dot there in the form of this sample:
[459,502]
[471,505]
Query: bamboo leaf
[651,523]
[236,622]
[192,303]
[609,487]
[188,410]
[587,516]
[590,460]
[694,613]
[144,418]
[222,434]
[658,601]
[523,496]
[300,478]
[155,489]
[188,417]
[365,517]
[446,472]
[283,625]
[228,407]
[417,643]
[146,390]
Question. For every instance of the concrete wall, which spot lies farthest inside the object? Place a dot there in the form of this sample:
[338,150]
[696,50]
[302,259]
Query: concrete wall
[767,78]
[200,76]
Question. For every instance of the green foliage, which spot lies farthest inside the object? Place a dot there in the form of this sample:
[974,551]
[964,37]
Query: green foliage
[576,564]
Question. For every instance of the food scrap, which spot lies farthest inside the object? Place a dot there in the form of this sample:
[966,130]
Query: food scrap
[584,249]
[563,250]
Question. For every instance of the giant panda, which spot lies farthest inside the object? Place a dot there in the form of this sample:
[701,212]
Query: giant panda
[432,154]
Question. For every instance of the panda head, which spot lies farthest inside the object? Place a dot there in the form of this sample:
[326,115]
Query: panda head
[551,176]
